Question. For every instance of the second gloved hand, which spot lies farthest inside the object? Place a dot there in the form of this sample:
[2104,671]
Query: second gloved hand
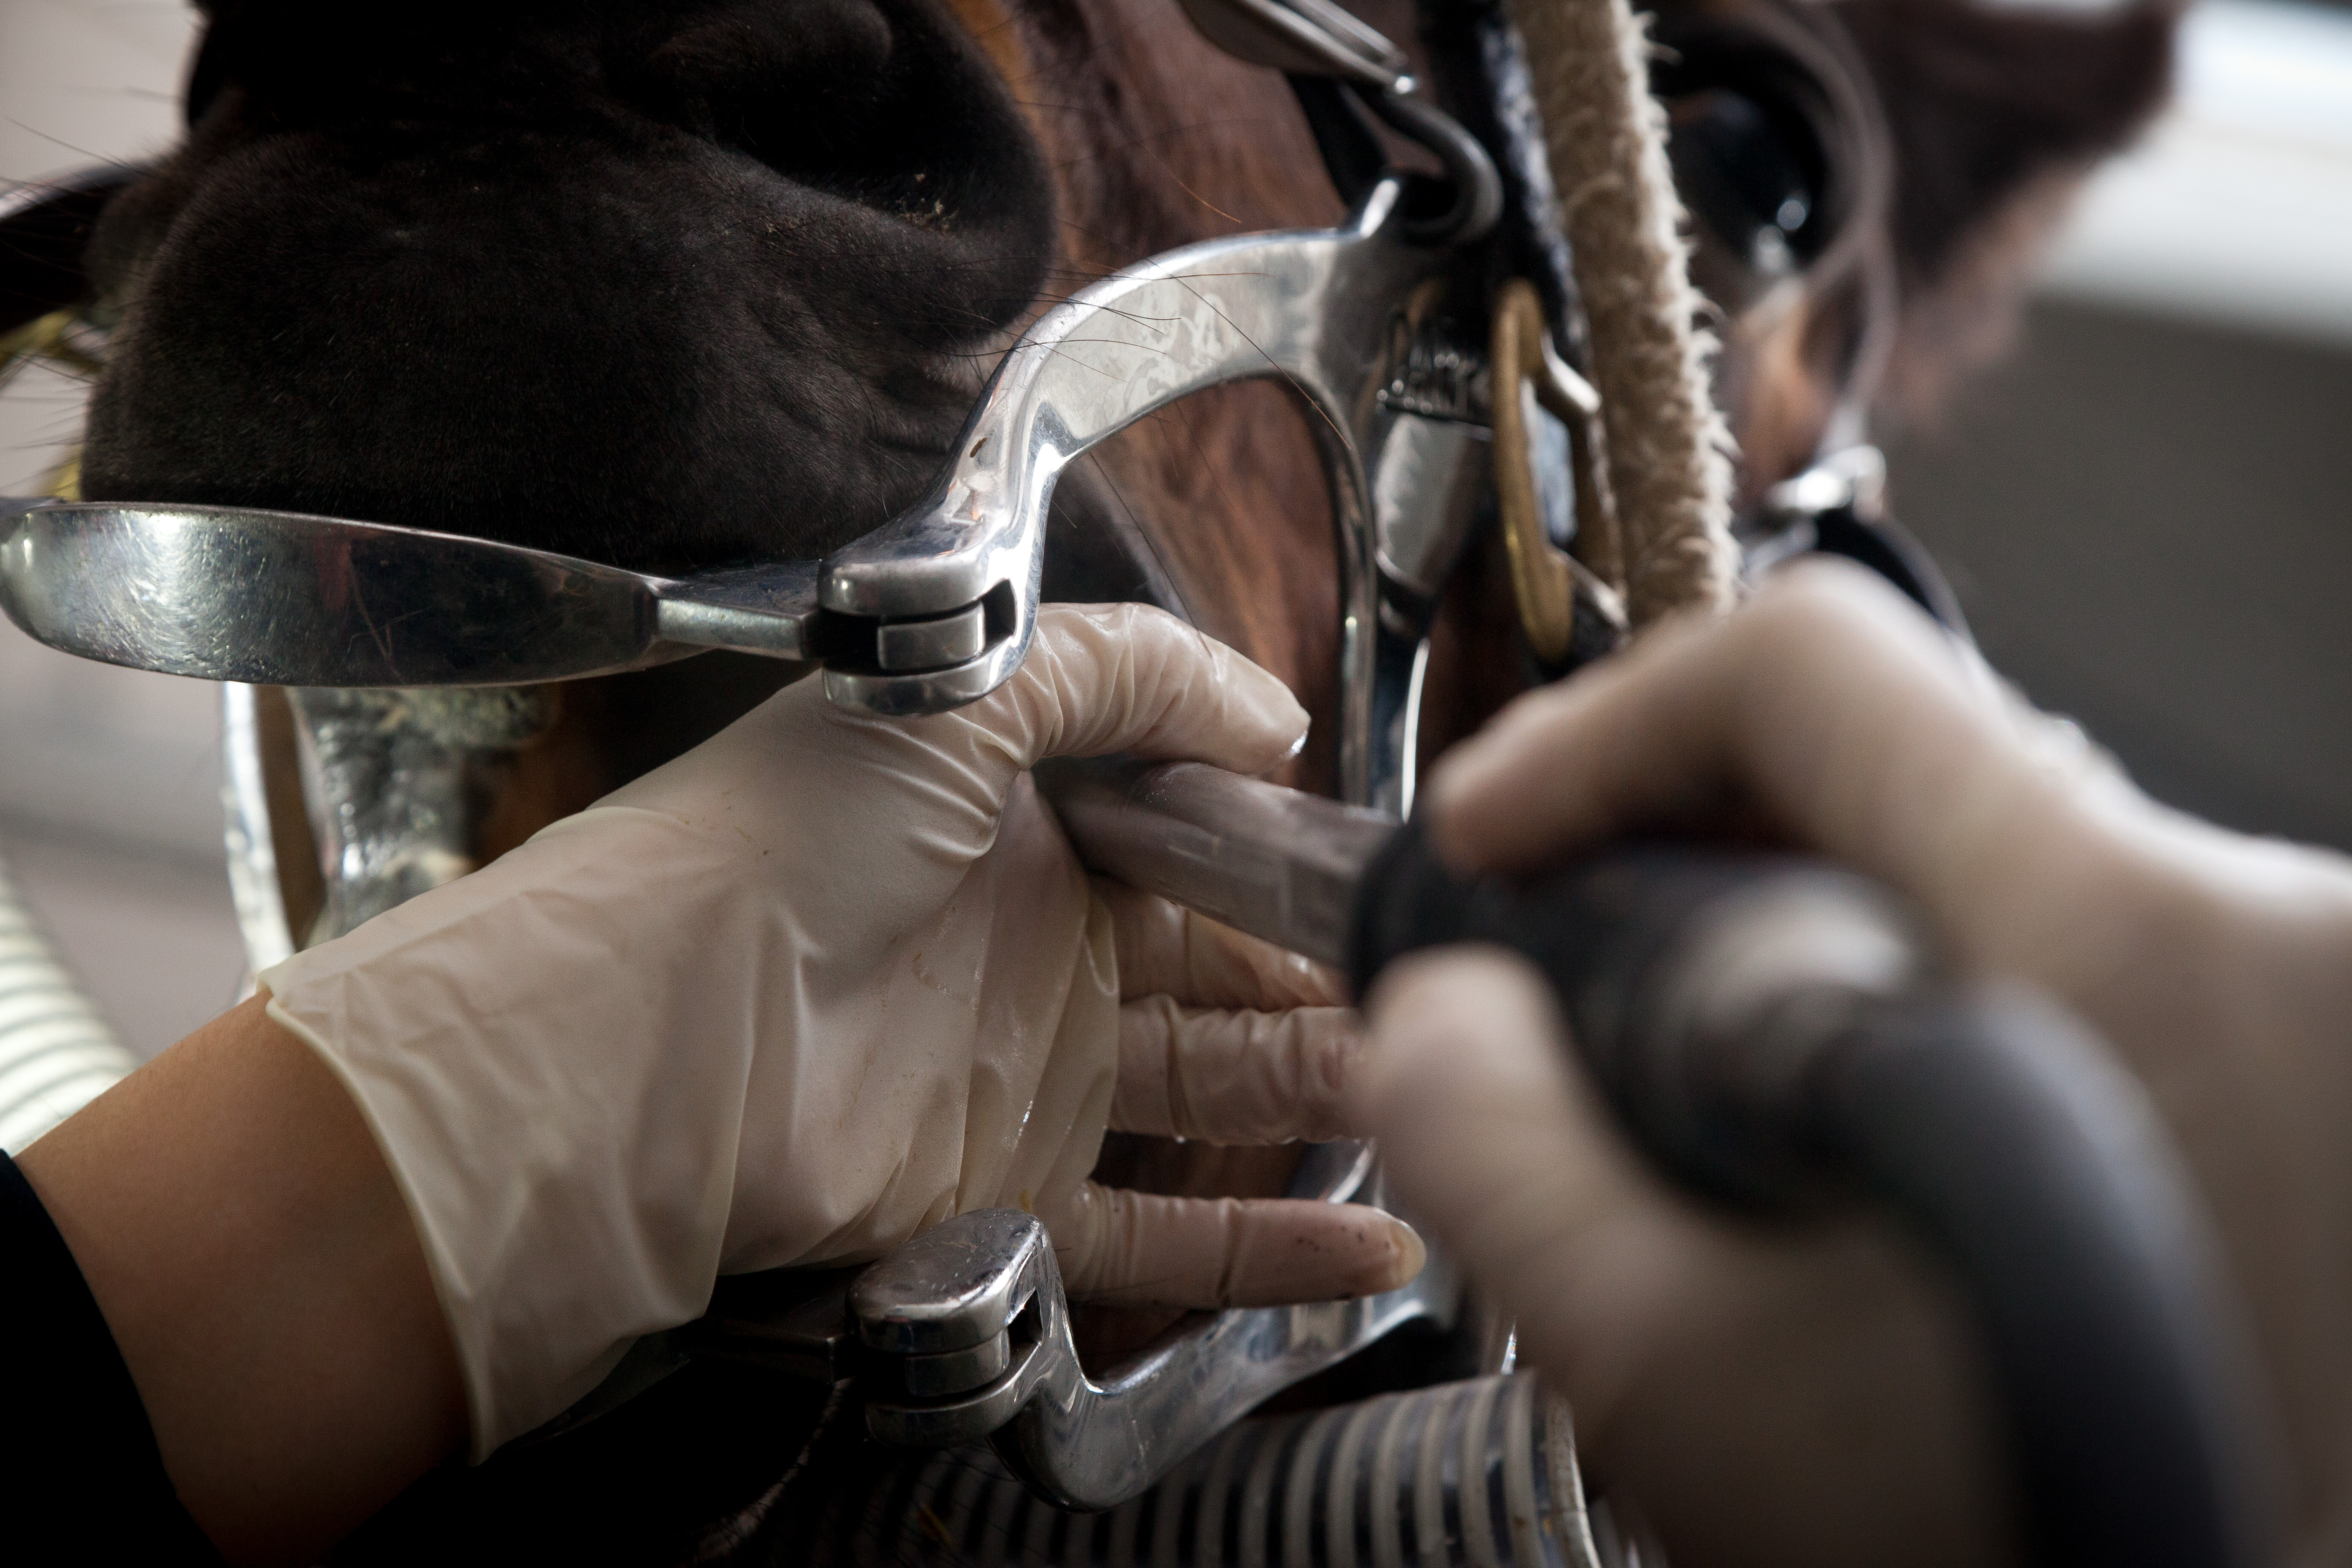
[1809,1394]
[822,982]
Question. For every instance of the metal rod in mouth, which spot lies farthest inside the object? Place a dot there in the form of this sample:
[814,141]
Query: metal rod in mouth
[1275,863]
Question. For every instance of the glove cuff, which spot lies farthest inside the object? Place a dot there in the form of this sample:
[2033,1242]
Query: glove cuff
[561,1113]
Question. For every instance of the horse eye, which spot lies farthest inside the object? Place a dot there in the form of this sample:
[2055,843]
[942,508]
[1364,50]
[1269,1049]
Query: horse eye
[1750,175]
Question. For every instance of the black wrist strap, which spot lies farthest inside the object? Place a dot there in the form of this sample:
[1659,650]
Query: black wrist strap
[88,1482]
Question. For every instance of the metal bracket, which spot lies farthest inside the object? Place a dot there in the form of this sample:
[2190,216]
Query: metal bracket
[1838,507]
[278,598]
[1308,38]
[970,1322]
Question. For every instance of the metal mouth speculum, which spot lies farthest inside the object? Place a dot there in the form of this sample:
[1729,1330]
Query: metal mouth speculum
[363,622]
[929,612]
[934,610]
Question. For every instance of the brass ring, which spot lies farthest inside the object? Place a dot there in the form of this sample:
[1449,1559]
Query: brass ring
[1546,581]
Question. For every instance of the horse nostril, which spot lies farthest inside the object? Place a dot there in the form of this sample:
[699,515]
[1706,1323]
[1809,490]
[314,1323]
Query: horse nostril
[640,283]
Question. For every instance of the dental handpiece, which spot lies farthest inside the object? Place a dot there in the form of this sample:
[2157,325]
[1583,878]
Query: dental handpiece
[1778,1034]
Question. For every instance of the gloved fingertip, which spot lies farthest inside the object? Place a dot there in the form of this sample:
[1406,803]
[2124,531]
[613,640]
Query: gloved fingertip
[1232,711]
[1136,679]
[1409,1257]
[1265,725]
[1365,1253]
[1340,1061]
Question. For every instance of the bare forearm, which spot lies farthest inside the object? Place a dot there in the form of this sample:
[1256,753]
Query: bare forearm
[2238,1016]
[261,1275]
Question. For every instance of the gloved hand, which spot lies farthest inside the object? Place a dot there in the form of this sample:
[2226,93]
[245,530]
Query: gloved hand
[1782,1394]
[824,981]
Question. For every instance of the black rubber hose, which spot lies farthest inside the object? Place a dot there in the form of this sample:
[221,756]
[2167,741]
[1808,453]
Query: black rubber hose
[1773,1030]
[1986,1120]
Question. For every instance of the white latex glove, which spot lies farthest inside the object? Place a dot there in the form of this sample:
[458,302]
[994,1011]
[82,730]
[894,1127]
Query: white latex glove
[1779,1395]
[822,982]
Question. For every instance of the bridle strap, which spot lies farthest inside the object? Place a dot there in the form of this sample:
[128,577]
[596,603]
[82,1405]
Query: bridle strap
[1669,451]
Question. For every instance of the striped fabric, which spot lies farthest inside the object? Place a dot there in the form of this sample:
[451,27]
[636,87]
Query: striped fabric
[55,1055]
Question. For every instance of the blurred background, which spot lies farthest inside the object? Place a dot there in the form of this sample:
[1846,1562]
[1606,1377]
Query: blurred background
[2146,508]
[110,792]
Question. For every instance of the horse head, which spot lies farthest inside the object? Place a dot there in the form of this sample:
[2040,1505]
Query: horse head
[677,284]
[674,284]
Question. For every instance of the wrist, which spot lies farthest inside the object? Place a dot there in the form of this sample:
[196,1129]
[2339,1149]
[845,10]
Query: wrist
[2033,878]
[238,1229]
[2238,945]
[550,1056]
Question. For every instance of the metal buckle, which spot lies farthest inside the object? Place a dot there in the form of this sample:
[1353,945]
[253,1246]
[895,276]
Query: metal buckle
[1568,612]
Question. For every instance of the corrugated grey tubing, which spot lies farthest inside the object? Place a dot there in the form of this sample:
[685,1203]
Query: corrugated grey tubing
[56,1054]
[1464,1475]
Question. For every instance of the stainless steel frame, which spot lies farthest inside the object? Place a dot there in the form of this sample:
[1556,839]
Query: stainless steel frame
[249,833]
[971,1324]
[926,613]
[287,599]
[361,621]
